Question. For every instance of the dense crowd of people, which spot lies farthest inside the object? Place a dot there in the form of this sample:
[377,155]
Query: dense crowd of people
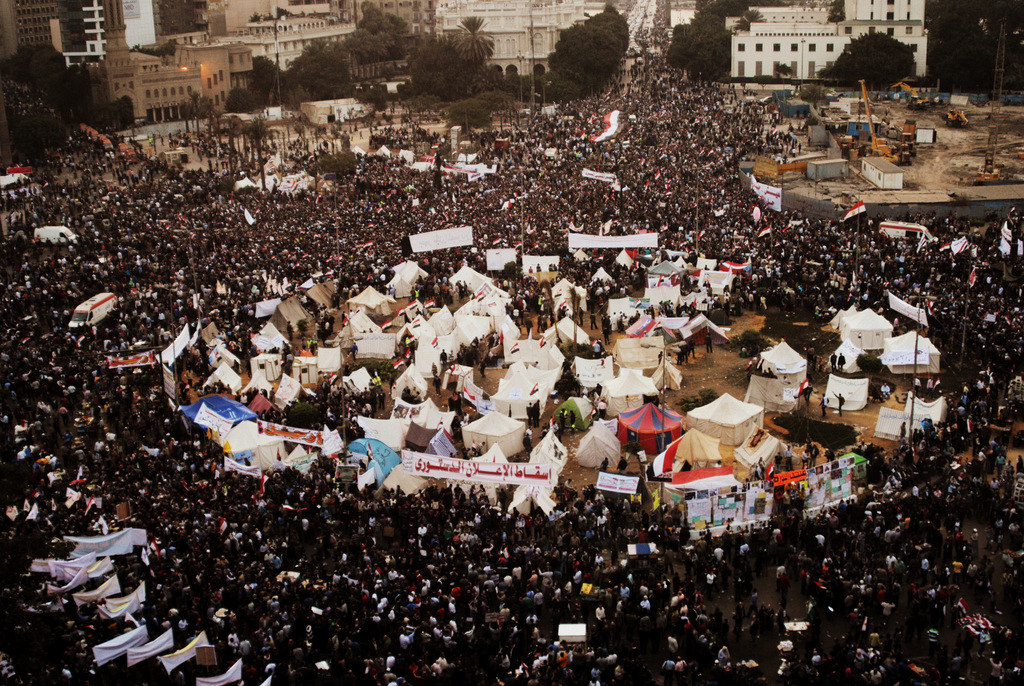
[311,581]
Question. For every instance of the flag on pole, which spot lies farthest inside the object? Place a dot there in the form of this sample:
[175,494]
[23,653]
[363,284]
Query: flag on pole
[398,363]
[959,245]
[858,208]
[972,278]
[248,216]
[764,232]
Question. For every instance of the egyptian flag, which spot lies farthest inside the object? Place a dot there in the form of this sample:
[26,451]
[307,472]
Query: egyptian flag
[398,363]
[858,208]
[765,231]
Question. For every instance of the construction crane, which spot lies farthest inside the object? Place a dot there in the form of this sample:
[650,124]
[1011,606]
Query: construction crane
[916,102]
[989,172]
[878,148]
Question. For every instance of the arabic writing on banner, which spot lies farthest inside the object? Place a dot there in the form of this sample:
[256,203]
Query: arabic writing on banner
[303,436]
[146,359]
[211,420]
[795,476]
[231,465]
[617,483]
[604,177]
[439,240]
[506,474]
[636,240]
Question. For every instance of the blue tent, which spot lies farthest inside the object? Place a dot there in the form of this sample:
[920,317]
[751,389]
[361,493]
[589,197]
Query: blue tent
[384,458]
[225,407]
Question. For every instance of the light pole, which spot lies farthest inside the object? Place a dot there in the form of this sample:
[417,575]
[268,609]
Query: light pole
[802,71]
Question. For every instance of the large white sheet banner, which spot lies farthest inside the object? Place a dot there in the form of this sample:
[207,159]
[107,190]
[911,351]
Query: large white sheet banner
[506,474]
[444,238]
[604,177]
[916,314]
[617,483]
[171,661]
[304,436]
[540,263]
[900,358]
[116,647]
[265,308]
[287,390]
[592,373]
[636,240]
[232,676]
[211,420]
[771,195]
[231,465]
[497,258]
[177,347]
[160,644]
[120,543]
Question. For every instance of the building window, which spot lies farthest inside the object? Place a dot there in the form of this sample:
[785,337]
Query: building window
[147,93]
[811,47]
[871,29]
[891,31]
[889,16]
[209,83]
[910,30]
[757,68]
[740,47]
[221,74]
[165,92]
[777,47]
[758,47]
[849,30]
[829,47]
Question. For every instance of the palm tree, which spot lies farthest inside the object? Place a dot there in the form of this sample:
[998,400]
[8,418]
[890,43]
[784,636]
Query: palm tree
[257,131]
[749,17]
[473,45]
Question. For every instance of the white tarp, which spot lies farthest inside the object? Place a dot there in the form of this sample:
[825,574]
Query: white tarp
[540,263]
[854,392]
[850,353]
[227,376]
[444,238]
[266,308]
[358,381]
[497,258]
[591,373]
[627,391]
[936,410]
[390,432]
[771,394]
[378,346]
[866,329]
[171,661]
[639,353]
[759,448]
[119,543]
[104,590]
[328,359]
[638,240]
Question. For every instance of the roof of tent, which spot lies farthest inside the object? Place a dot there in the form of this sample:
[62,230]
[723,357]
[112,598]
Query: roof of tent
[409,483]
[704,479]
[760,447]
[260,404]
[322,293]
[290,311]
[865,320]
[726,409]
[696,449]
[550,451]
[630,382]
[665,269]
[442,321]
[418,438]
[371,299]
[470,277]
[494,424]
[579,410]
[597,445]
[784,359]
[837,320]
[225,407]
[650,417]
[602,275]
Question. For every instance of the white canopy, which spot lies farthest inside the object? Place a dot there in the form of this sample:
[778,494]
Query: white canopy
[785,363]
[850,353]
[442,321]
[627,391]
[727,419]
[516,392]
[759,448]
[566,330]
[407,275]
[494,428]
[471,277]
[267,364]
[837,321]
[936,409]
[245,440]
[866,329]
[639,353]
[410,379]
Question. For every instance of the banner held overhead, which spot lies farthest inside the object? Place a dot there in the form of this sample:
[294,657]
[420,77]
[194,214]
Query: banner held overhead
[444,238]
[637,240]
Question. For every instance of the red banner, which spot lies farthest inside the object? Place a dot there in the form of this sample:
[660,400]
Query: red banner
[303,436]
[784,478]
[146,359]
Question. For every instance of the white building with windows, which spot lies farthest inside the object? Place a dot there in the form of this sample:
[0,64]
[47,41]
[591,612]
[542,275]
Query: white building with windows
[510,22]
[803,40]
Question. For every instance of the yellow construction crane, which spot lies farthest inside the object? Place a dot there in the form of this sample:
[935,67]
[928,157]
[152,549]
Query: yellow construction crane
[916,102]
[990,172]
[878,148]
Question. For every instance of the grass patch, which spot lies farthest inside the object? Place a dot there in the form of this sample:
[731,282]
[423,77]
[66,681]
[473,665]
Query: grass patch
[829,435]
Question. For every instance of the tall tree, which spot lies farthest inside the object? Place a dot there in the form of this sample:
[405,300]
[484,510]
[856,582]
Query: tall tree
[258,131]
[437,69]
[747,18]
[877,58]
[322,70]
[263,79]
[590,53]
[474,46]
[701,48]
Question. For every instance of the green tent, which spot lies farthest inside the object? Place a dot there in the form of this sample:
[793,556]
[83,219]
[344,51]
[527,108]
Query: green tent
[579,409]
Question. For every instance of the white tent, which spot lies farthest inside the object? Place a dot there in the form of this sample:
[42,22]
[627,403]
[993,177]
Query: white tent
[624,259]
[771,394]
[472,278]
[639,353]
[866,329]
[602,276]
[516,392]
[306,370]
[850,353]
[662,294]
[591,373]
[227,376]
[789,366]
[525,495]
[599,444]
[837,321]
[359,322]
[372,301]
[759,448]
[258,382]
[854,392]
[936,409]
[562,295]
[407,275]
[390,432]
[719,281]
[627,391]
[494,428]
[358,381]
[397,479]
[221,353]
[623,308]
[696,449]
[442,321]
[667,375]
[245,440]
[550,451]
[727,419]
[267,364]
[566,330]
[538,351]
[469,328]
[898,355]
[428,353]
[410,379]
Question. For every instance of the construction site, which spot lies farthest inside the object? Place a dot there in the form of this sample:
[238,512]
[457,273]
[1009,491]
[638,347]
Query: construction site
[901,150]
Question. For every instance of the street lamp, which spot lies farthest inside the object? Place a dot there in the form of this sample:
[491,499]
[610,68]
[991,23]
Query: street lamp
[802,66]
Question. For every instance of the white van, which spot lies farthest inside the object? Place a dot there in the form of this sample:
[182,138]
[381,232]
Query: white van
[93,310]
[900,230]
[61,235]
